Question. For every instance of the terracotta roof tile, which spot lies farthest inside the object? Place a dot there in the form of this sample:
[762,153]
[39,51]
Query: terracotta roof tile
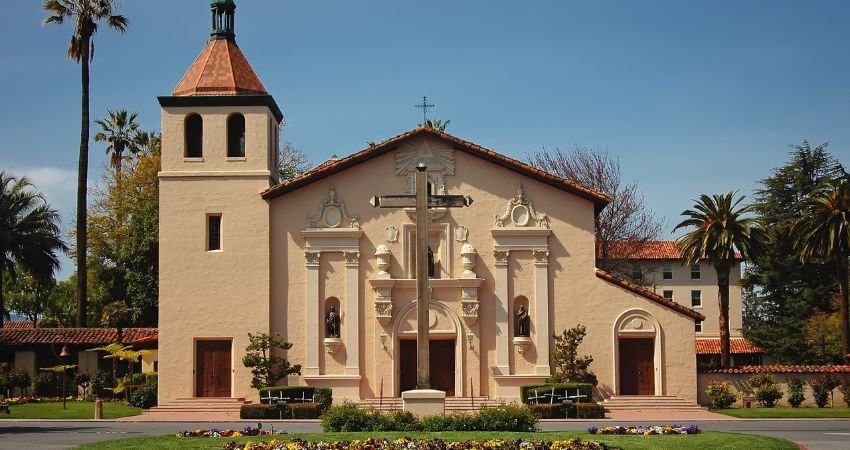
[711,346]
[220,69]
[331,167]
[649,250]
[642,291]
[779,368]
[17,324]
[76,336]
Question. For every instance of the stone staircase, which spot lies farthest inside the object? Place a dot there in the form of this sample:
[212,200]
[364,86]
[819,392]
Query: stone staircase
[453,404]
[663,403]
[200,406]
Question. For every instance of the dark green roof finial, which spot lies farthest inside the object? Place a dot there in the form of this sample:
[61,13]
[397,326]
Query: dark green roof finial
[223,12]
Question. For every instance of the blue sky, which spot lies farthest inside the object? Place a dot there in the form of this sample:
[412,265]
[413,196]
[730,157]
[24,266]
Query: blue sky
[692,97]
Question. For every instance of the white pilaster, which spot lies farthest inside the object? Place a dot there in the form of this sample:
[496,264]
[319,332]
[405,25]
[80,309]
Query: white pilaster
[311,321]
[541,309]
[352,313]
[502,331]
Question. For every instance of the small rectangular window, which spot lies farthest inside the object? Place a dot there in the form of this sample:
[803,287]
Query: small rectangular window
[698,326]
[695,272]
[667,272]
[668,295]
[213,232]
[696,299]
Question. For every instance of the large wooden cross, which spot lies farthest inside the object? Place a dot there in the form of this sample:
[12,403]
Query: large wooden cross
[422,201]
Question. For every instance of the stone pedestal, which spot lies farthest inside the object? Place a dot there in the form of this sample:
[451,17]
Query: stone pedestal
[424,402]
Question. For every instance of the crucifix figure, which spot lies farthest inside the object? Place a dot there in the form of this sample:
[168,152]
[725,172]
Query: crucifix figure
[422,201]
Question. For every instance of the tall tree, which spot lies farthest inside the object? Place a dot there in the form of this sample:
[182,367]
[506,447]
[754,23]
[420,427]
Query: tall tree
[782,293]
[86,14]
[823,232]
[29,233]
[625,220]
[719,229]
[291,162]
[119,131]
[29,296]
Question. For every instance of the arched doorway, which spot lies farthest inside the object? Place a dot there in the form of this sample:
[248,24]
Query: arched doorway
[446,361]
[638,367]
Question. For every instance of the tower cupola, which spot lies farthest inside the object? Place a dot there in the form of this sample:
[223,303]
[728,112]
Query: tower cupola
[223,12]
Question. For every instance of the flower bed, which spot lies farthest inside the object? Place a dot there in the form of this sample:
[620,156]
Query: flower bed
[646,430]
[216,433]
[417,444]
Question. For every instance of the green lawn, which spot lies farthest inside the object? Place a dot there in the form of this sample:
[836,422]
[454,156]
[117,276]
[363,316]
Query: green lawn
[76,410]
[786,413]
[708,440]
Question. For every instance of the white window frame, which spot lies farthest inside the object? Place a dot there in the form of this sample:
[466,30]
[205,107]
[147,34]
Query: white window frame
[699,292]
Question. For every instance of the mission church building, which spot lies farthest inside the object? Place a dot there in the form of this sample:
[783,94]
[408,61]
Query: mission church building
[312,260]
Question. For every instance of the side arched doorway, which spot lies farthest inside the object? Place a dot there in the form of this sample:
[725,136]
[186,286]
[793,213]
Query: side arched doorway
[638,362]
[446,362]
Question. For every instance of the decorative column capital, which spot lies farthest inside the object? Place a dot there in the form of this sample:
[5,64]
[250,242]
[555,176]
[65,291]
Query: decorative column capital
[541,256]
[352,259]
[501,257]
[312,258]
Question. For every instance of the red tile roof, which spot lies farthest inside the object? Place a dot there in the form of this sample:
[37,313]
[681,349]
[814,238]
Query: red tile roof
[650,250]
[85,336]
[779,368]
[17,324]
[221,69]
[711,346]
[331,167]
[642,291]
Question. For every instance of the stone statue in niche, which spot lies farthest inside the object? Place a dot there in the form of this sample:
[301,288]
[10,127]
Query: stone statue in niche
[431,265]
[521,322]
[332,323]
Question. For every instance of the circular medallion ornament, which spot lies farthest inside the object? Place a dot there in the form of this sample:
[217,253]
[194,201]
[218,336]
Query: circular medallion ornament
[520,215]
[637,324]
[332,216]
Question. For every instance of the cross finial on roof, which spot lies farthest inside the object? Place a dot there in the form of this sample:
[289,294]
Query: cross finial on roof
[424,106]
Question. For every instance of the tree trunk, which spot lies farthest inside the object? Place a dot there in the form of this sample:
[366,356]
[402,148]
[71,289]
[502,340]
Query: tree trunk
[843,306]
[82,180]
[723,317]
[2,302]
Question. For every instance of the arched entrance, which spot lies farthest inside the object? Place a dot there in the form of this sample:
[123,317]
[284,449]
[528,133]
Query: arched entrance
[638,367]
[446,361]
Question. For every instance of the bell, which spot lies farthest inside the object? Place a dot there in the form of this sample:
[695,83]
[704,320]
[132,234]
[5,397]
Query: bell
[64,353]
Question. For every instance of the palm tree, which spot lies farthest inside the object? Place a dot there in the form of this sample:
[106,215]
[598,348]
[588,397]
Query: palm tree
[823,231]
[718,231]
[120,132]
[29,232]
[86,15]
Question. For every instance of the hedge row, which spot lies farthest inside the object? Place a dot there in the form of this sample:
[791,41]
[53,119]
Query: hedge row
[348,417]
[287,411]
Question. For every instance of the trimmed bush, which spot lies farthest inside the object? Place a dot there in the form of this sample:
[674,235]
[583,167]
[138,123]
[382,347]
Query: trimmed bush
[305,410]
[46,385]
[796,395]
[347,417]
[720,393]
[822,386]
[145,396]
[767,392]
[506,418]
[547,411]
[403,421]
[259,412]
[590,411]
[844,388]
[561,389]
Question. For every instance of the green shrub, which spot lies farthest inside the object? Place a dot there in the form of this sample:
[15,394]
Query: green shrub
[590,411]
[547,411]
[21,379]
[100,382]
[151,377]
[46,385]
[305,410]
[561,389]
[145,396]
[516,418]
[259,412]
[822,386]
[720,393]
[766,391]
[347,417]
[844,388]
[403,421]
[796,395]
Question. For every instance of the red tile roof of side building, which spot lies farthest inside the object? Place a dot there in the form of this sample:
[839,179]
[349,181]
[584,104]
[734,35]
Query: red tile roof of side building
[332,166]
[220,69]
[711,346]
[780,368]
[84,336]
[642,291]
[649,251]
[18,324]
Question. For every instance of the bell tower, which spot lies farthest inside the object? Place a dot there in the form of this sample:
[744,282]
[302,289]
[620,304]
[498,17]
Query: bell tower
[219,152]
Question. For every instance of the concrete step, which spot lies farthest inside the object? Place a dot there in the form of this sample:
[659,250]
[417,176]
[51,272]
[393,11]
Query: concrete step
[219,406]
[650,403]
